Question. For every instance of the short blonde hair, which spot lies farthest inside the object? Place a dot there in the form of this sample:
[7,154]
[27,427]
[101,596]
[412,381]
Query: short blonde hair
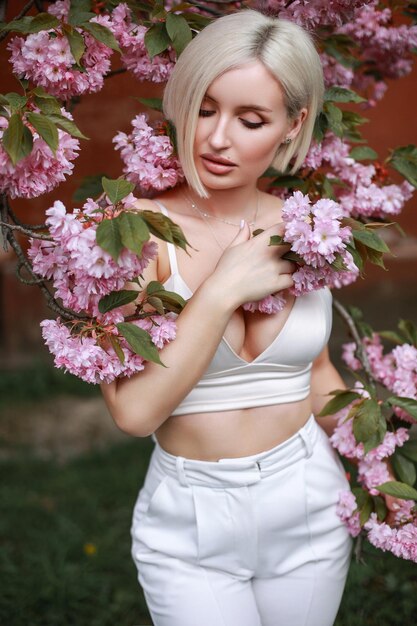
[284,48]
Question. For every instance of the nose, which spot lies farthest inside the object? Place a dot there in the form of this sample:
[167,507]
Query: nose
[219,136]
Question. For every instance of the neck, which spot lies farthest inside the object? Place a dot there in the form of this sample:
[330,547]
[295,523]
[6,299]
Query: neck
[234,204]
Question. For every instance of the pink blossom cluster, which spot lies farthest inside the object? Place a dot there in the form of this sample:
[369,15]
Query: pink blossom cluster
[130,37]
[386,48]
[41,170]
[313,13]
[361,196]
[396,370]
[95,362]
[81,271]
[400,539]
[148,157]
[316,234]
[401,533]
[45,58]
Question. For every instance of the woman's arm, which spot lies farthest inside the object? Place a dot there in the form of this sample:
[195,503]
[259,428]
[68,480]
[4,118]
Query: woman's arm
[248,270]
[324,378]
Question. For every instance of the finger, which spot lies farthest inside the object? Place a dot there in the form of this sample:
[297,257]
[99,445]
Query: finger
[287,267]
[242,235]
[284,281]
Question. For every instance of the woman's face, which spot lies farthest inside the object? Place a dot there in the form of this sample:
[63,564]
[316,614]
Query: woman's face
[242,122]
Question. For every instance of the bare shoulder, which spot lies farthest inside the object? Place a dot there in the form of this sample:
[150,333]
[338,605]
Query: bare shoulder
[270,210]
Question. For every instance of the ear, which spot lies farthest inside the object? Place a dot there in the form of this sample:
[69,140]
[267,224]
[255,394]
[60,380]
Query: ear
[296,124]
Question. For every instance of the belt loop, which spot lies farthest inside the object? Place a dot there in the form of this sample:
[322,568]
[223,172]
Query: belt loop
[181,471]
[305,436]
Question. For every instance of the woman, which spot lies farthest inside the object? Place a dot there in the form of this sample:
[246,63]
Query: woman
[236,521]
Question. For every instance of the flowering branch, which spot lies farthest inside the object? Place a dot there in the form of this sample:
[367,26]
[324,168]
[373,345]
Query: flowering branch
[350,322]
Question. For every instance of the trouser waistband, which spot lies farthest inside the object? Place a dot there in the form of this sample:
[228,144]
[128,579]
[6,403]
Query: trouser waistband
[230,472]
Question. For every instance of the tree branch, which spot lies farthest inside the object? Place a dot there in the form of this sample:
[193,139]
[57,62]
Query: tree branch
[363,357]
[22,13]
[25,231]
[23,263]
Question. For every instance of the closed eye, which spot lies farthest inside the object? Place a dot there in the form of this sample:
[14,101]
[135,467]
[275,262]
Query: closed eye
[252,125]
[205,112]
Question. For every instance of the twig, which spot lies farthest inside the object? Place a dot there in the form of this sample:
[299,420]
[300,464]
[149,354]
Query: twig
[121,70]
[363,357]
[23,263]
[358,549]
[25,231]
[16,220]
[23,12]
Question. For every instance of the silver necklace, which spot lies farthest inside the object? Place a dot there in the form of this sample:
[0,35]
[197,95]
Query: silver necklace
[204,216]
[222,219]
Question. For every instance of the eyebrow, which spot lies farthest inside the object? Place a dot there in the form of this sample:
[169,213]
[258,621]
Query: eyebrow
[244,107]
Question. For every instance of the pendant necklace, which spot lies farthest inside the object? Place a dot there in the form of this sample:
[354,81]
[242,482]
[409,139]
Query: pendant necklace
[206,216]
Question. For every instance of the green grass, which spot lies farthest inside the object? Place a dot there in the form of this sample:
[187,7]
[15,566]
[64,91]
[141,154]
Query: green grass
[48,513]
[39,381]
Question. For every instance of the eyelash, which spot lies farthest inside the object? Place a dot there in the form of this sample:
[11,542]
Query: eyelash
[250,125]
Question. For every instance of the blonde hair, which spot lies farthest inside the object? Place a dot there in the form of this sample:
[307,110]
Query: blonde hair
[284,48]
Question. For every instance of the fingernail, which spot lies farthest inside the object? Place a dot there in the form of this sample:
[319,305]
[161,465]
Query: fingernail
[242,224]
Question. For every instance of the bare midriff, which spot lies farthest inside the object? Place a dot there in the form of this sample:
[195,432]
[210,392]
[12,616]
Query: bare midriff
[232,434]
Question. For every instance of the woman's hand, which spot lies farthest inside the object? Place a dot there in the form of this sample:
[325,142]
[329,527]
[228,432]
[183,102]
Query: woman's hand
[250,269]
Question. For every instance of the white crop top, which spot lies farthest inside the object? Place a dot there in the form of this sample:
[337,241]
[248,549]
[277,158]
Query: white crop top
[280,374]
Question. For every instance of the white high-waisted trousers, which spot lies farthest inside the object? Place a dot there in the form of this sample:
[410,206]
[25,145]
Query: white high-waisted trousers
[248,541]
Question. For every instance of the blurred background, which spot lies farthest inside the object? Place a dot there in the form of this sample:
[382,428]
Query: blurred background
[72,476]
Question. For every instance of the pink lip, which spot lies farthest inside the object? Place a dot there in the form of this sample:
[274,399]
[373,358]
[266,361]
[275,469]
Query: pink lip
[216,159]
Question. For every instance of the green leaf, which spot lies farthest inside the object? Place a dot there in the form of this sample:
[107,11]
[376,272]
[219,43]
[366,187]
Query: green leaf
[139,341]
[16,101]
[290,182]
[369,425]
[76,43]
[320,127]
[90,187]
[43,21]
[404,160]
[398,490]
[164,228]
[156,40]
[375,257]
[65,124]
[46,129]
[117,348]
[16,141]
[357,258]
[380,507]
[79,13]
[404,469]
[407,404]
[179,32]
[370,239]
[109,238]
[276,240]
[363,153]
[116,299]
[366,510]
[41,93]
[27,24]
[171,300]
[18,26]
[391,336]
[102,34]
[334,117]
[340,401]
[117,189]
[152,103]
[409,449]
[409,331]
[47,106]
[133,231]
[80,5]
[341,94]
[156,303]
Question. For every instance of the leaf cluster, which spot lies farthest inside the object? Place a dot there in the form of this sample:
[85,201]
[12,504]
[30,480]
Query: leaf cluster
[19,110]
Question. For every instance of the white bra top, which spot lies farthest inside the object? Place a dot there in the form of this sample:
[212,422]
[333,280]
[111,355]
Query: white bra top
[280,374]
